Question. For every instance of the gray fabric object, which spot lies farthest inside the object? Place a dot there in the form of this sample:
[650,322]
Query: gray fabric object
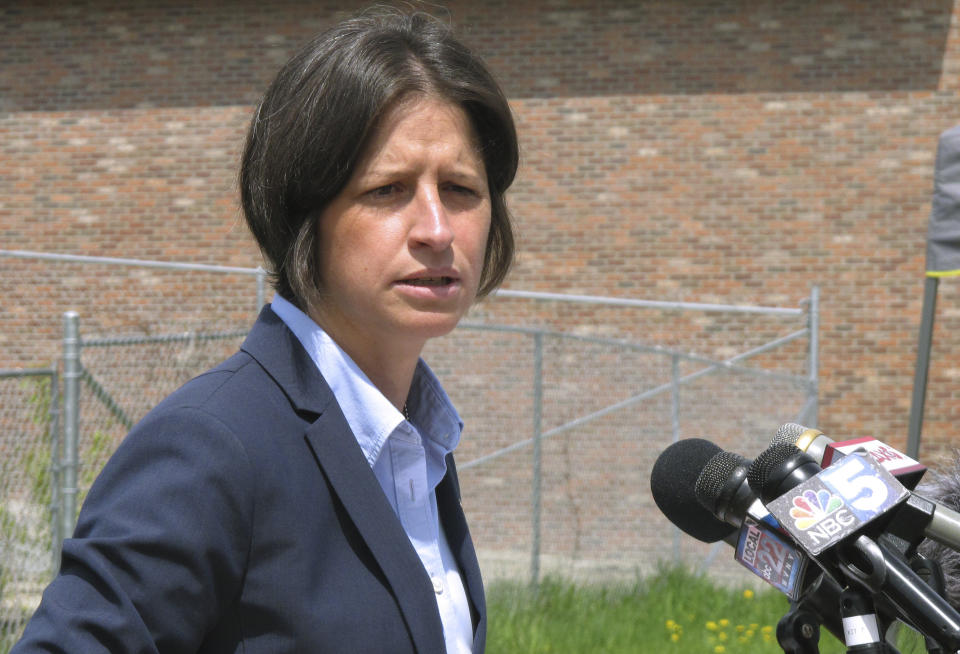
[943,234]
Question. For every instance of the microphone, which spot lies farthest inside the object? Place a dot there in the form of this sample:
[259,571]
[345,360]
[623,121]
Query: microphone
[702,489]
[722,488]
[672,483]
[826,511]
[694,482]
[936,521]
[761,546]
[806,439]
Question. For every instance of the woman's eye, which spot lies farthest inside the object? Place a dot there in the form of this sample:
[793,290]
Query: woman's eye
[384,191]
[457,188]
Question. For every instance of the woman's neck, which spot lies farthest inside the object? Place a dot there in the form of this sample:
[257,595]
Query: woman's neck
[392,375]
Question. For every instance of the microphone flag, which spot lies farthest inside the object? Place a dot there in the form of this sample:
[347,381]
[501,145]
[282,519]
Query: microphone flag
[907,470]
[836,502]
[764,553]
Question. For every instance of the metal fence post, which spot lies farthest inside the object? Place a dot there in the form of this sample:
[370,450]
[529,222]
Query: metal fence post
[537,437]
[71,418]
[261,285]
[921,371]
[813,384]
[675,396]
[56,453]
[675,425]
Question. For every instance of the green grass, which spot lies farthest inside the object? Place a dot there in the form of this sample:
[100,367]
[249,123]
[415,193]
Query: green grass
[673,612]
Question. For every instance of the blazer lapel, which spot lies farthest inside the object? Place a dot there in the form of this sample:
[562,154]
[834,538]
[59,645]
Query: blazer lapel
[357,488]
[277,349]
[454,523]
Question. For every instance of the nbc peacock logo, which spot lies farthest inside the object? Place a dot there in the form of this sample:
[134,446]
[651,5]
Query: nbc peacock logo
[812,506]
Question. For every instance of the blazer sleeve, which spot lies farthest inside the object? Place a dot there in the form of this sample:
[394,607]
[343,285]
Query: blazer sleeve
[160,546]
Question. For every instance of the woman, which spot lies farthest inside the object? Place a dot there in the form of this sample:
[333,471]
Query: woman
[302,497]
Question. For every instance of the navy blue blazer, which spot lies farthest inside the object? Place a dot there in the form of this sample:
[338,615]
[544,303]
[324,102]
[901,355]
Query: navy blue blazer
[241,516]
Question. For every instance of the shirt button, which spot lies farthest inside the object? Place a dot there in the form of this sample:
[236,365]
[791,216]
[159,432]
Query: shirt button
[437,585]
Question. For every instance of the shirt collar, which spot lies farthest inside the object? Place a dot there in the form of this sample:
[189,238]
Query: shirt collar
[371,416]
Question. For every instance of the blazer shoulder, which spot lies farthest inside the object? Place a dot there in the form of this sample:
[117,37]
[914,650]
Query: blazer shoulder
[237,379]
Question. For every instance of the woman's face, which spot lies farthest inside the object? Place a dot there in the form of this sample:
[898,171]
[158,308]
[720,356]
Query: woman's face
[402,246]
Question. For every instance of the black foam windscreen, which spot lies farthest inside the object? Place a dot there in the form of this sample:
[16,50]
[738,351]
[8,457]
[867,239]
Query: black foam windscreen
[673,482]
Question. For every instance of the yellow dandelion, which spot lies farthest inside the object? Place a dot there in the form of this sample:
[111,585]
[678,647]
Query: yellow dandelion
[724,622]
[671,624]
[747,594]
[767,629]
[722,635]
[741,628]
[711,625]
[675,637]
[719,649]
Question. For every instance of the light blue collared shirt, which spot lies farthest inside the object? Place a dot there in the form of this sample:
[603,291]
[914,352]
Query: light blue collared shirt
[407,458]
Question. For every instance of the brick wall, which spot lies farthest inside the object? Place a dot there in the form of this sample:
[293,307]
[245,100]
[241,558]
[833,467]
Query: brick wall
[704,151]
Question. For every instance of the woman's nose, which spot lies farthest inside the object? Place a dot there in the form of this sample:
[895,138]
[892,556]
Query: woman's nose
[431,221]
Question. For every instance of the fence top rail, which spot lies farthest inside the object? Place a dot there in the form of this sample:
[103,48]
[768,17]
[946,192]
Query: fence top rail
[650,304]
[505,293]
[629,345]
[168,265]
[164,338]
[27,372]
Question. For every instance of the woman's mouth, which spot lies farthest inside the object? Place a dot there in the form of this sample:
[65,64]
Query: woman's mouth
[428,281]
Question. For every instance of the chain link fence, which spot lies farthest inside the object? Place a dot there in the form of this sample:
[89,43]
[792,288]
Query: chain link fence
[564,428]
[567,402]
[29,504]
[123,378]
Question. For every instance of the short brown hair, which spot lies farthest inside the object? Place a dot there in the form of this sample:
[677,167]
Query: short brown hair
[316,117]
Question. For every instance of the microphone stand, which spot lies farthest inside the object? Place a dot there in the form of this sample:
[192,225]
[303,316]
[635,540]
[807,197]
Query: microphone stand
[861,628]
[798,631]
[887,571]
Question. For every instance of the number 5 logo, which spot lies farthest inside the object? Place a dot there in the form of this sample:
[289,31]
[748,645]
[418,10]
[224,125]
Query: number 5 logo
[855,481]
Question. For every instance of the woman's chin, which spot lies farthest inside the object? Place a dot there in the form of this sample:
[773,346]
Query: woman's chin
[431,325]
